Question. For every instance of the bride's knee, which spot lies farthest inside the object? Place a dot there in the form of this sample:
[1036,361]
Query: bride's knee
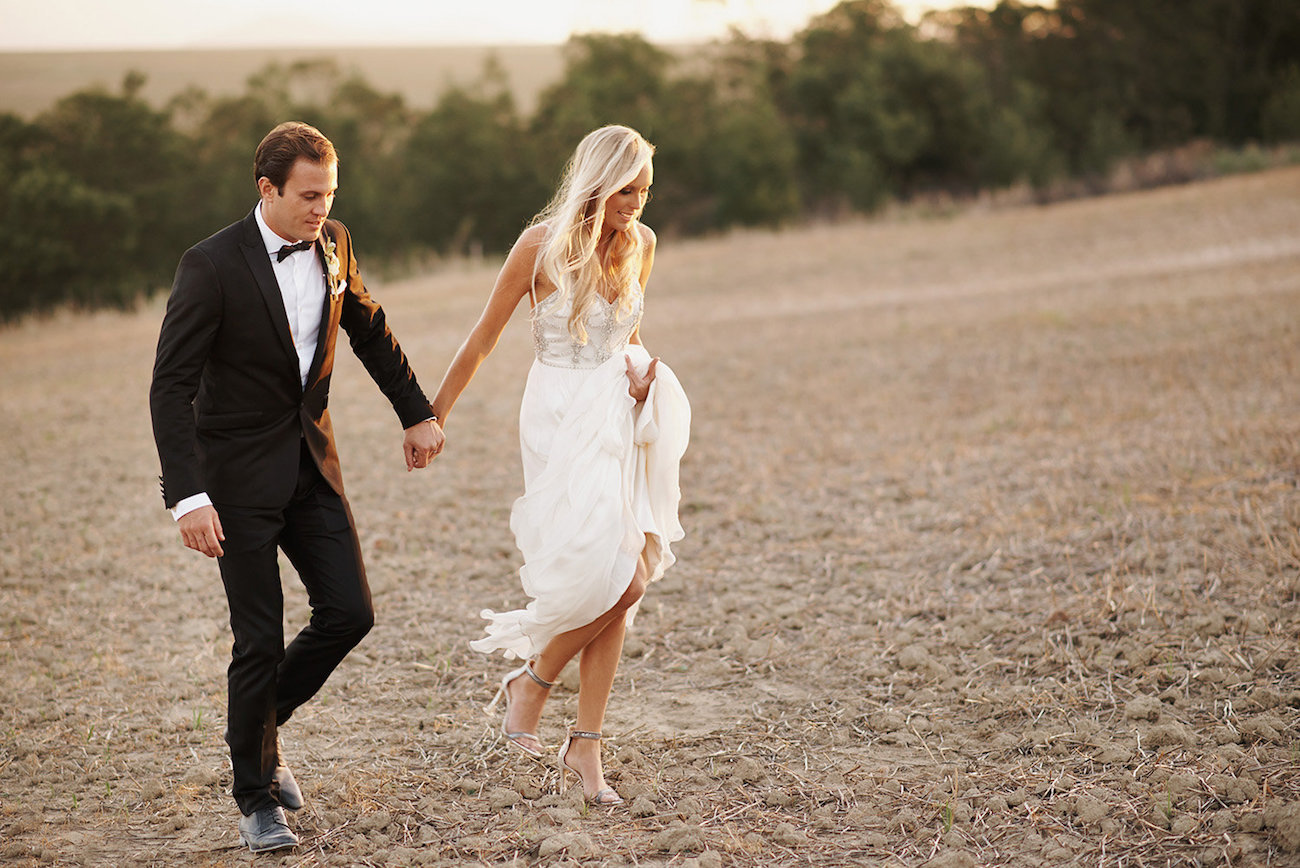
[635,591]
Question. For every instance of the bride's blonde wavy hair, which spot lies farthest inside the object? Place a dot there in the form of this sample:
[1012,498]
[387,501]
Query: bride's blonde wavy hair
[605,161]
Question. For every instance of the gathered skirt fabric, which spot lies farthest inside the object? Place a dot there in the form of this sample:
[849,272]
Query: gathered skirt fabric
[600,488]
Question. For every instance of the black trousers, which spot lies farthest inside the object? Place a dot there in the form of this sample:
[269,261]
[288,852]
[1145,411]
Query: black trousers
[266,680]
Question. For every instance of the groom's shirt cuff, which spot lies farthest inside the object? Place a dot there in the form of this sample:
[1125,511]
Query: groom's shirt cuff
[191,503]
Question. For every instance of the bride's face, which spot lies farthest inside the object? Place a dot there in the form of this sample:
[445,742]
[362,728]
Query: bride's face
[626,205]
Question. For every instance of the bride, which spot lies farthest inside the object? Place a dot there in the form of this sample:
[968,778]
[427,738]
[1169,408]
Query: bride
[602,429]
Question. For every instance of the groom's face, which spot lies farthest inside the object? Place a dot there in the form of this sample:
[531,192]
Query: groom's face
[299,212]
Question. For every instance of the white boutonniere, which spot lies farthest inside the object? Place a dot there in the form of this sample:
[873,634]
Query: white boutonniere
[332,269]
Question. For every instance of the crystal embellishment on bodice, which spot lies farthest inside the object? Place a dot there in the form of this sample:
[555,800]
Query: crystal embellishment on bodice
[608,331]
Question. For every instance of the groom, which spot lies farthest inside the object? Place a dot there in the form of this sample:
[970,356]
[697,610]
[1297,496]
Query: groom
[239,396]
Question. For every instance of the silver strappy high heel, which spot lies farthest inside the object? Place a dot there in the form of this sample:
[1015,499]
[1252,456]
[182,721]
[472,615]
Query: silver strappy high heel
[605,798]
[503,691]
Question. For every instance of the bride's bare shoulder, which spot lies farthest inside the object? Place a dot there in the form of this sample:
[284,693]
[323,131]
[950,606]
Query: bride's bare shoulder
[527,249]
[532,238]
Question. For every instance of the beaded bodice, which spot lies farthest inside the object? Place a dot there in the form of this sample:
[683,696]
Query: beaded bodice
[608,331]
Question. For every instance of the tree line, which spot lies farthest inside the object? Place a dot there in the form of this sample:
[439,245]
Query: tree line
[100,194]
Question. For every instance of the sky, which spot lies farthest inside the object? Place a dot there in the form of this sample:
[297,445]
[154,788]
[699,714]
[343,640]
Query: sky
[55,25]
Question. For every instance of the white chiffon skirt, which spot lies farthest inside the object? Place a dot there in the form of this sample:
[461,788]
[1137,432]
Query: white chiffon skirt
[600,488]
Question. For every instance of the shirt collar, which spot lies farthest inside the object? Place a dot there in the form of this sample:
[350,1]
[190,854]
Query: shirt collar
[272,241]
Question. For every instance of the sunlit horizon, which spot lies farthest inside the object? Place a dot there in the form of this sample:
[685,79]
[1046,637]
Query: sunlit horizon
[73,25]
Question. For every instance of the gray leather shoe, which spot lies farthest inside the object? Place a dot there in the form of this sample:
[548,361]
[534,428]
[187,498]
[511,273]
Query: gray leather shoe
[266,830]
[284,787]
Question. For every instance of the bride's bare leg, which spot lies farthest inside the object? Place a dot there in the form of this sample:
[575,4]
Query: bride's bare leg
[596,670]
[527,697]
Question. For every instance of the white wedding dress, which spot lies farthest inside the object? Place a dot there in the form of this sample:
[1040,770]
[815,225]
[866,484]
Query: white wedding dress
[600,475]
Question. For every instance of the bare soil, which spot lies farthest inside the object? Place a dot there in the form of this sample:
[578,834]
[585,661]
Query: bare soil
[992,559]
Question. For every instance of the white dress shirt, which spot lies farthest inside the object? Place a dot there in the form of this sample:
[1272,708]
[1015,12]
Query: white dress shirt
[302,288]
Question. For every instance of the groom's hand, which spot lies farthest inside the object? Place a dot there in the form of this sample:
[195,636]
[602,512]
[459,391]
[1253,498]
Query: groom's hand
[422,444]
[201,531]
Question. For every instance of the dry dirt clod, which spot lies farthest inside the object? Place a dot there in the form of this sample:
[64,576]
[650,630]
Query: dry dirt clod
[577,845]
[1283,820]
[1144,708]
[679,838]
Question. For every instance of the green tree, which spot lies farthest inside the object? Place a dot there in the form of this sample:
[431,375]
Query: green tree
[1201,68]
[103,192]
[65,243]
[1110,78]
[620,79]
[729,156]
[835,97]
[753,160]
[1280,114]
[368,128]
[370,131]
[118,144]
[468,180]
[880,111]
[93,211]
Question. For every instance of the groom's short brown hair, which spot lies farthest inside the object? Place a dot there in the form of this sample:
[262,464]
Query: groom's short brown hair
[283,146]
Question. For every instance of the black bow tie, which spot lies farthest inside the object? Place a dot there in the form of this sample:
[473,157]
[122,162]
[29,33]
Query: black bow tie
[292,248]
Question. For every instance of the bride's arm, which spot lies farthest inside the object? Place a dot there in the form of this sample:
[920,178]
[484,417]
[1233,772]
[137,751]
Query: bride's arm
[512,285]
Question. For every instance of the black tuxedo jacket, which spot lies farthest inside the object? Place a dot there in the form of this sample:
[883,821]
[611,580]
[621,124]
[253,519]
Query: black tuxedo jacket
[229,408]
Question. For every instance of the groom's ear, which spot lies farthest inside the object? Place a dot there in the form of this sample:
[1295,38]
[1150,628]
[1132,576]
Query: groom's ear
[265,187]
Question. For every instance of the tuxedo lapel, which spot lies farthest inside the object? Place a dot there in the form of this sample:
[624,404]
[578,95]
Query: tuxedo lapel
[259,263]
[330,312]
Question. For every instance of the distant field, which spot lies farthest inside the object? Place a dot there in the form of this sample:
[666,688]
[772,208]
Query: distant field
[31,81]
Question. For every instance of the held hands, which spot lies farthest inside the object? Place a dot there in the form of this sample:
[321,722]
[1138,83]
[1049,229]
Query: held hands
[201,530]
[638,386]
[422,443]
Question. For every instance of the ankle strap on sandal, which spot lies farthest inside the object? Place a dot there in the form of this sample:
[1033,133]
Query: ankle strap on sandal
[578,733]
[528,670]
